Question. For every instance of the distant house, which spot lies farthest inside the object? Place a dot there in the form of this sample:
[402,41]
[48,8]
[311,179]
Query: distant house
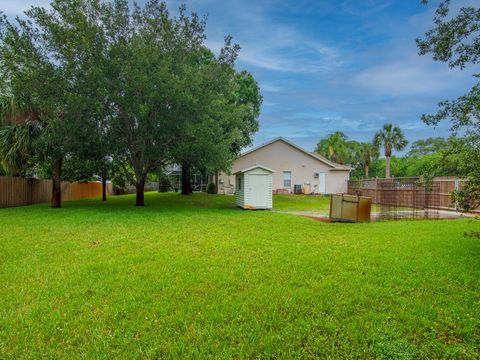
[293,165]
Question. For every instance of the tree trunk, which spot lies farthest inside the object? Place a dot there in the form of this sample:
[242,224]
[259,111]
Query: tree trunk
[160,181]
[186,187]
[366,171]
[57,183]
[104,184]
[140,200]
[190,188]
[104,188]
[387,167]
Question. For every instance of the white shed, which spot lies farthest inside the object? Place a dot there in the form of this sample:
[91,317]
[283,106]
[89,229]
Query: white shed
[253,187]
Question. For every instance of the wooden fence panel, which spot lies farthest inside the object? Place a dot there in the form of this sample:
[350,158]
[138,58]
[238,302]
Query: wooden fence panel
[41,191]
[14,190]
[445,185]
[17,191]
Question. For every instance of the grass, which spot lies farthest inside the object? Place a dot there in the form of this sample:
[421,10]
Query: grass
[317,203]
[308,203]
[196,277]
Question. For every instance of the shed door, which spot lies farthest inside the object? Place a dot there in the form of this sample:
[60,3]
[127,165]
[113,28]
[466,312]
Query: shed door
[258,190]
[322,181]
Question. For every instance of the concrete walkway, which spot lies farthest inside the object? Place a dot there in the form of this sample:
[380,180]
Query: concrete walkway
[303,213]
[442,214]
[308,214]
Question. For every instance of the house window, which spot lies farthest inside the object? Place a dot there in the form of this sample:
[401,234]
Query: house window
[239,181]
[287,179]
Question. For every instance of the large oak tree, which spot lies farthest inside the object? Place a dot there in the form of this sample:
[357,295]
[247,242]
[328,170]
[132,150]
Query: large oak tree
[105,80]
[46,69]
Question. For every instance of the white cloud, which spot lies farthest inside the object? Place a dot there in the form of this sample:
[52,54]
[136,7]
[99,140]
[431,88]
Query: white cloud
[291,52]
[270,45]
[266,43]
[406,77]
[269,87]
[400,72]
[17,7]
[364,7]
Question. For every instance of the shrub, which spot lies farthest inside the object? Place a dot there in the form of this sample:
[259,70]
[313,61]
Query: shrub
[211,189]
[164,184]
[468,198]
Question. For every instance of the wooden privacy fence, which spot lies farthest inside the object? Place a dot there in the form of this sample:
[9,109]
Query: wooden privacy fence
[18,191]
[374,188]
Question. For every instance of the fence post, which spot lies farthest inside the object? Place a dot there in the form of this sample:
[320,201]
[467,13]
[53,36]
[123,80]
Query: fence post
[456,188]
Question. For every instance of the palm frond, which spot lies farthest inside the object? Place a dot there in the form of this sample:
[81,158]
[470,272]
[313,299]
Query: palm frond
[16,145]
[15,110]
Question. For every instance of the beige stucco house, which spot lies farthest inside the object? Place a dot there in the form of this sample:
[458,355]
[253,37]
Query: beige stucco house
[293,165]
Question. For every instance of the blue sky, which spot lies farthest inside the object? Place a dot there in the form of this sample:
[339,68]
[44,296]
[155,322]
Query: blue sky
[324,66]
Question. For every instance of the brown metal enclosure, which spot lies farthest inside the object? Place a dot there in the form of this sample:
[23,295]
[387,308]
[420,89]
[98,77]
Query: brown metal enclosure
[350,208]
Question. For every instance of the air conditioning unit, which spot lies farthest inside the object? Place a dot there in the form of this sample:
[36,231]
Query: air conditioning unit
[316,175]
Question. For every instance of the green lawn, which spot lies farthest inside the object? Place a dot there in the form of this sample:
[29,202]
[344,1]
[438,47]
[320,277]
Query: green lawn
[317,203]
[196,277]
[307,203]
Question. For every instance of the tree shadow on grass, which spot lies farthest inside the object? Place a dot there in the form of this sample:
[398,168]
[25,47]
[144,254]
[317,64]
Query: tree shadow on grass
[155,203]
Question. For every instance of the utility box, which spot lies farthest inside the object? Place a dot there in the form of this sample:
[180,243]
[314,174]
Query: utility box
[306,189]
[350,208]
[253,188]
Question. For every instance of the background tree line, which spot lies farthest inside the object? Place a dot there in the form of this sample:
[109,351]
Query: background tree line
[105,89]
[435,156]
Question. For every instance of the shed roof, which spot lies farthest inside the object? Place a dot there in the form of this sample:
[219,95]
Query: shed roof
[254,167]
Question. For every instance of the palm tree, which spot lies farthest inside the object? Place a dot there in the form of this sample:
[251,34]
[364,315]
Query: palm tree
[16,147]
[18,129]
[368,152]
[21,128]
[334,147]
[392,138]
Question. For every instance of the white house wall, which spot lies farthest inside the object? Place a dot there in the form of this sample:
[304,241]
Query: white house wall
[280,156]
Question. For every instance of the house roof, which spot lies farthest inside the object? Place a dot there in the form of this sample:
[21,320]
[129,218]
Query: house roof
[333,165]
[255,167]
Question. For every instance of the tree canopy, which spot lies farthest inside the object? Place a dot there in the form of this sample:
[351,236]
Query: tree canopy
[91,82]
[335,147]
[455,40]
[427,146]
[45,76]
